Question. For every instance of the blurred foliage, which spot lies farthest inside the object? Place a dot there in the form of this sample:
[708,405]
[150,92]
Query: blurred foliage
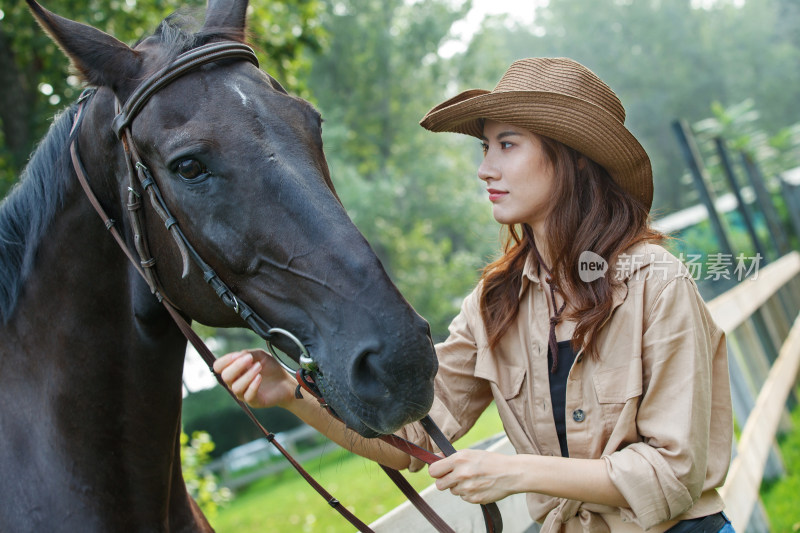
[740,127]
[36,80]
[202,485]
[212,410]
[415,196]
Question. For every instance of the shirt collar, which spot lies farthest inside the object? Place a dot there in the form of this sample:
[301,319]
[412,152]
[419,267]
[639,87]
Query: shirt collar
[627,264]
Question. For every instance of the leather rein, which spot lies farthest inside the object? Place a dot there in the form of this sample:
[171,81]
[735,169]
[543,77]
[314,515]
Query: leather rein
[141,179]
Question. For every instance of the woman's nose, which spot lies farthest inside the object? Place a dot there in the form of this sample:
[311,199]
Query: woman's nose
[486,171]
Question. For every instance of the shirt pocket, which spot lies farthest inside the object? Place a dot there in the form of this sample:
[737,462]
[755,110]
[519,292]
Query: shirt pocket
[506,379]
[507,383]
[615,389]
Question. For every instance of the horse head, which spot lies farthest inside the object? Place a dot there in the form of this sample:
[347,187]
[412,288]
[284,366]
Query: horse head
[239,162]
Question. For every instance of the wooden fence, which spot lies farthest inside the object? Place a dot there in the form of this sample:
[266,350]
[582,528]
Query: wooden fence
[760,317]
[250,462]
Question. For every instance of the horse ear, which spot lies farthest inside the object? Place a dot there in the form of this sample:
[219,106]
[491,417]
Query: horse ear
[101,59]
[226,15]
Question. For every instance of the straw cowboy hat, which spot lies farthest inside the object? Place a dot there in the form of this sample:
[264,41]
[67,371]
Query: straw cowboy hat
[561,99]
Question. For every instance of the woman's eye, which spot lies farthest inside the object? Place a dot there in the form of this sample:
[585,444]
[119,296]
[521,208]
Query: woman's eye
[191,169]
[505,145]
[484,148]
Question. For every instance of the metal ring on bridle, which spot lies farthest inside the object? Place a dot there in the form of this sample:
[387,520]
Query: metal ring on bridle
[305,360]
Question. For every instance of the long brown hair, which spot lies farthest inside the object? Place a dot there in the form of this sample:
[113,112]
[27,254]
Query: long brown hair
[591,212]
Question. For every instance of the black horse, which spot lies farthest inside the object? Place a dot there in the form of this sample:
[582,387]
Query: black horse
[90,361]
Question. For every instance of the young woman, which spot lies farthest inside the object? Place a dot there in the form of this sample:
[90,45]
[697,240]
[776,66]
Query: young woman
[607,369]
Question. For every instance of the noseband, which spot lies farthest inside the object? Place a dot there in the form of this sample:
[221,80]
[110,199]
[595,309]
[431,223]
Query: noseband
[140,178]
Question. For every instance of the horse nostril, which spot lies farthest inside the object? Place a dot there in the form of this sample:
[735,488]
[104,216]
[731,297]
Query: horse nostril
[366,368]
[390,391]
[370,380]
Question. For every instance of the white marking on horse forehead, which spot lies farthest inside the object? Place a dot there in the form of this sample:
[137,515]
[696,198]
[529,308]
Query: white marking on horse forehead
[235,88]
[180,136]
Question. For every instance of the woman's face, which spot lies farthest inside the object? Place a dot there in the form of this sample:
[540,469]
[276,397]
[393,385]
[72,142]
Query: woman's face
[519,178]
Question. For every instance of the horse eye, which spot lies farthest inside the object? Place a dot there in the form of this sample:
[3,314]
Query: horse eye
[191,169]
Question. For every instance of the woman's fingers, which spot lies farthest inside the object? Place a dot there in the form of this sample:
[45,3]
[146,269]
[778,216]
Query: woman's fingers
[223,362]
[440,468]
[251,393]
[233,369]
[244,380]
[246,371]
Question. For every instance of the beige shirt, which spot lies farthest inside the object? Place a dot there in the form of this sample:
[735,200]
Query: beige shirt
[656,405]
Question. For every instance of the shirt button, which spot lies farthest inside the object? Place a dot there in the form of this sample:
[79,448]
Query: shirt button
[578,415]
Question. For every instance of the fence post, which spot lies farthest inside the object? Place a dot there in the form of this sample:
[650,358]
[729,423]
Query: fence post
[743,209]
[765,202]
[692,156]
[792,205]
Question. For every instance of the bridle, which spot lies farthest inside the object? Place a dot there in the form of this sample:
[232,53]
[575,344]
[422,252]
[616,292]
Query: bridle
[141,179]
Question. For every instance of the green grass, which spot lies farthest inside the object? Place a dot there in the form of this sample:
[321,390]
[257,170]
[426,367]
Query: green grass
[782,497]
[285,502]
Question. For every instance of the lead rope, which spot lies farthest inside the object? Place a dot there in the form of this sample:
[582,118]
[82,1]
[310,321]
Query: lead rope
[492,517]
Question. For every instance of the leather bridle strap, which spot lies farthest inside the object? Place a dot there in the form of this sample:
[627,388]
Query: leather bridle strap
[209,358]
[190,334]
[491,513]
[185,62]
[492,518]
[193,338]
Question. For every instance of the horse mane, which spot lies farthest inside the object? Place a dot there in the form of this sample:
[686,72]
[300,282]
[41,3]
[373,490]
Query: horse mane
[181,32]
[27,211]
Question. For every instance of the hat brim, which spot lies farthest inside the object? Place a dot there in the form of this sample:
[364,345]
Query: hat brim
[576,123]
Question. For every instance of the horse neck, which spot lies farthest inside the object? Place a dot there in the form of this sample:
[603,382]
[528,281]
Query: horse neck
[98,362]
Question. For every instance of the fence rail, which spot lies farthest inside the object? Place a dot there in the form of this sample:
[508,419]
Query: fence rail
[774,293]
[257,459]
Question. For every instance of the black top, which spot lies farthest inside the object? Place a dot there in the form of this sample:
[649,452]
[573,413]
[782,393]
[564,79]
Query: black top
[558,390]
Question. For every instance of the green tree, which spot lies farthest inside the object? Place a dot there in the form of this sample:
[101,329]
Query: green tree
[35,81]
[413,194]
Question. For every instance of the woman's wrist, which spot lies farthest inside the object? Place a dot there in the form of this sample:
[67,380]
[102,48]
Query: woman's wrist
[290,400]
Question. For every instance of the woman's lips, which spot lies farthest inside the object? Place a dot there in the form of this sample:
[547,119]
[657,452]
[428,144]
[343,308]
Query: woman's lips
[495,194]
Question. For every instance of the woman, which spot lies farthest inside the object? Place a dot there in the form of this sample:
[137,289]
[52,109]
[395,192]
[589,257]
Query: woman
[607,369]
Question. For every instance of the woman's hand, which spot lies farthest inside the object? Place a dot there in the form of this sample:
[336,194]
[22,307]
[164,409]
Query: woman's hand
[477,476]
[256,378]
